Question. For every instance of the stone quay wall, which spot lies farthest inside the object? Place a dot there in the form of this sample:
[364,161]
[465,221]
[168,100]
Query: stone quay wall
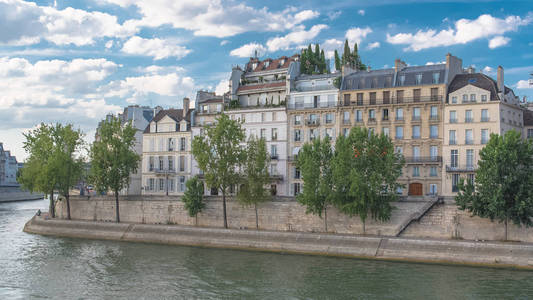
[441,221]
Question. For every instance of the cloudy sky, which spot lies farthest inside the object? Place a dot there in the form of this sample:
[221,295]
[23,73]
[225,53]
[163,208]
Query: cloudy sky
[76,61]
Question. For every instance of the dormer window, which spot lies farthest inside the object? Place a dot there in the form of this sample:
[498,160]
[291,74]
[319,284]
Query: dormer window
[402,80]
[436,77]
[418,78]
[254,65]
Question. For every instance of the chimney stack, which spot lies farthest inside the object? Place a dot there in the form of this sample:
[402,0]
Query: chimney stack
[186,102]
[399,65]
[499,80]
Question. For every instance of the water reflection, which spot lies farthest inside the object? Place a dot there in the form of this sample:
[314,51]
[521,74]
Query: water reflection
[36,266]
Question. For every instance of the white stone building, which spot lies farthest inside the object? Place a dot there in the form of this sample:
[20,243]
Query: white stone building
[8,167]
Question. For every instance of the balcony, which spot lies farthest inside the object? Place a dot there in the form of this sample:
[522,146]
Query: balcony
[371,120]
[434,118]
[312,122]
[469,142]
[399,137]
[346,122]
[485,119]
[164,171]
[415,119]
[469,120]
[460,168]
[452,142]
[415,137]
[423,159]
[276,177]
[453,120]
[394,100]
[274,156]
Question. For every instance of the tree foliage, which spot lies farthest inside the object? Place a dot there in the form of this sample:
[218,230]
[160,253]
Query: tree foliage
[113,158]
[193,196]
[502,188]
[352,58]
[337,61]
[314,162]
[218,153]
[255,177]
[313,62]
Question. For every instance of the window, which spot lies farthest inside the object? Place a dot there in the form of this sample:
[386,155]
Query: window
[465,98]
[453,116]
[416,153]
[151,163]
[273,151]
[433,171]
[182,183]
[399,114]
[470,178]
[183,144]
[455,182]
[433,187]
[345,131]
[312,134]
[484,136]
[170,184]
[402,80]
[433,131]
[358,116]
[433,152]
[416,95]
[263,133]
[385,131]
[416,113]
[416,132]
[385,114]
[483,98]
[416,171]
[469,137]
[398,149]
[170,144]
[330,133]
[297,120]
[219,107]
[529,133]
[171,163]
[346,117]
[151,184]
[313,119]
[418,79]
[182,163]
[468,116]
[274,116]
[296,173]
[452,140]
[433,113]
[296,188]
[386,97]
[399,96]
[329,118]
[399,132]
[454,158]
[297,135]
[470,158]
[315,101]
[273,169]
[372,98]
[359,99]
[454,99]
[484,115]
[346,99]
[161,163]
[274,132]
[472,97]
[436,78]
[263,117]
[371,115]
[161,184]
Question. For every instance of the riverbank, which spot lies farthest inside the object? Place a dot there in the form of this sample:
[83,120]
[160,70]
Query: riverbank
[14,193]
[518,255]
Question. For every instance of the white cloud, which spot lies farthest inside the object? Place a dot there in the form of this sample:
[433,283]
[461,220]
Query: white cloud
[158,48]
[294,38]
[52,91]
[109,44]
[222,87]
[332,15]
[498,41]
[465,31]
[224,42]
[430,63]
[248,50]
[523,84]
[356,34]
[361,12]
[373,45]
[329,47]
[488,70]
[26,23]
[214,17]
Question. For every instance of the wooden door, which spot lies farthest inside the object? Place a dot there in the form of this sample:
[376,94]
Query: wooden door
[415,189]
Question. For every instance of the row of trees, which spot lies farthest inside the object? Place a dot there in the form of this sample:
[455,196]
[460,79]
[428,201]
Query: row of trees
[349,57]
[56,163]
[358,176]
[314,62]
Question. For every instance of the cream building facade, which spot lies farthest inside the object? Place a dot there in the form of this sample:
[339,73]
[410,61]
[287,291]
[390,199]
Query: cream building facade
[167,158]
[477,106]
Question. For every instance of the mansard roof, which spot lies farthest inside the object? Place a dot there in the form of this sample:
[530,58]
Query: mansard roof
[269,63]
[174,114]
[479,80]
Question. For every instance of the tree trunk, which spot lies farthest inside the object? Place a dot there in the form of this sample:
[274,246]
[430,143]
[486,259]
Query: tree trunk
[117,208]
[364,226]
[68,205]
[196,220]
[256,218]
[51,209]
[506,221]
[326,218]
[224,208]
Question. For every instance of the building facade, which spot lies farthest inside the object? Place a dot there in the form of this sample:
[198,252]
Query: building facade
[405,103]
[477,106]
[8,167]
[167,158]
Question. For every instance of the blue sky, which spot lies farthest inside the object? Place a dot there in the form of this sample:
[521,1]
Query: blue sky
[75,61]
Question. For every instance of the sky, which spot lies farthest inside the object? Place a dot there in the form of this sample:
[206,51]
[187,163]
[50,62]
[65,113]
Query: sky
[76,61]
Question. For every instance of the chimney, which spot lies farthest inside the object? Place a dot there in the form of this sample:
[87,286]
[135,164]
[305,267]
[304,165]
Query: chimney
[399,65]
[185,106]
[499,80]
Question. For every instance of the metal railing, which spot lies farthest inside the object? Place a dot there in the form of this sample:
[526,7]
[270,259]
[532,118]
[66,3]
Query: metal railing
[311,122]
[423,159]
[460,168]
[393,100]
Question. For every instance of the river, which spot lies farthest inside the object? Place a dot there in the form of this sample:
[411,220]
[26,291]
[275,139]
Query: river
[33,266]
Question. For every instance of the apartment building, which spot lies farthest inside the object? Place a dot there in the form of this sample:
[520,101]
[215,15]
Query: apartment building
[476,107]
[311,112]
[167,158]
[258,98]
[405,103]
[8,167]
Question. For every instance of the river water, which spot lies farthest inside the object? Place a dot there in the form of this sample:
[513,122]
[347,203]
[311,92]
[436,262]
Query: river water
[39,267]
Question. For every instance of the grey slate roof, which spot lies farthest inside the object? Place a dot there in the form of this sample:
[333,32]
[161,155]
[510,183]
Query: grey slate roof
[479,80]
[175,114]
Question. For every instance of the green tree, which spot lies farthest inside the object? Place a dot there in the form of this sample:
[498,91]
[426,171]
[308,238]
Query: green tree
[193,197]
[113,158]
[218,153]
[337,61]
[502,188]
[38,173]
[323,66]
[253,189]
[68,143]
[314,162]
[365,172]
[346,54]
